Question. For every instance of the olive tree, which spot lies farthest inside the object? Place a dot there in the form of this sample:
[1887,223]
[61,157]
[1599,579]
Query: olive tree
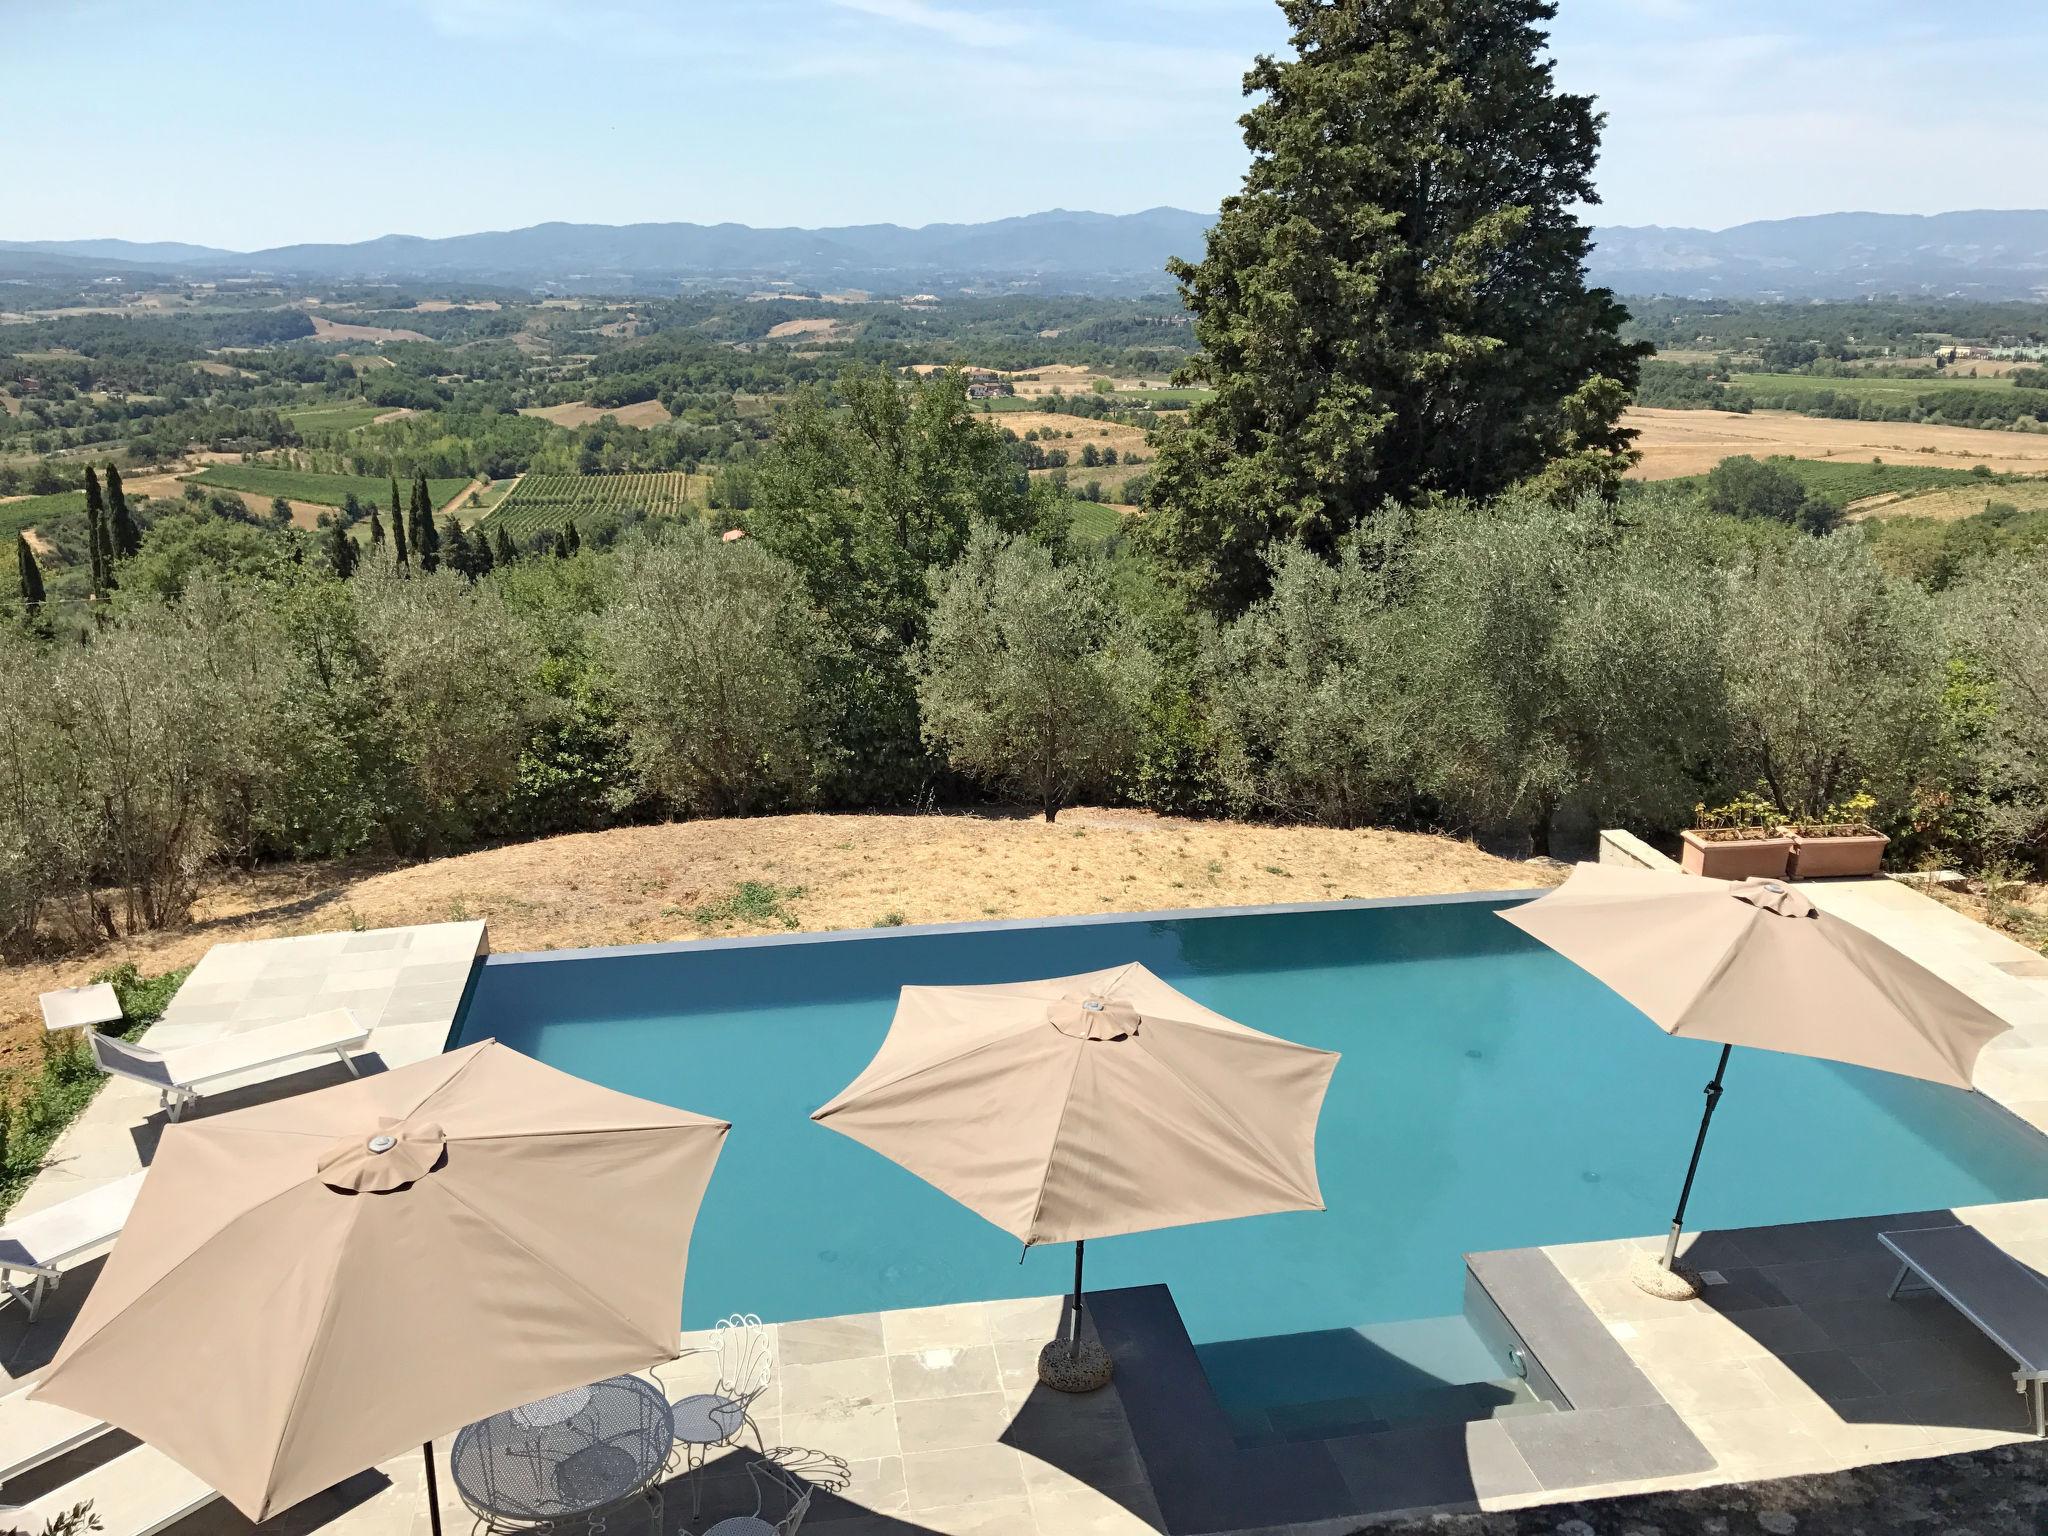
[716,650]
[1563,658]
[1032,680]
[1307,691]
[457,671]
[1998,624]
[1834,677]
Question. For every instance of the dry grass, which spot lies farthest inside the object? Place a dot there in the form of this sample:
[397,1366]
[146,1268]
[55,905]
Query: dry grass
[638,884]
[1954,502]
[820,326]
[325,329]
[644,413]
[1677,443]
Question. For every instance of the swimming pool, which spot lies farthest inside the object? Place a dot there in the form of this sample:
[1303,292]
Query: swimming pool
[1491,1095]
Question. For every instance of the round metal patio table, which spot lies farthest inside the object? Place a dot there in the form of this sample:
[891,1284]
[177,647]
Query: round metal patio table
[569,1457]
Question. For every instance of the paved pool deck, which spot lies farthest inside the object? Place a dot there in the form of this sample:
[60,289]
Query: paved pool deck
[1793,1363]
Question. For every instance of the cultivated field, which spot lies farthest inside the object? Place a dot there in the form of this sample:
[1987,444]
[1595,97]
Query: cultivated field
[334,417]
[818,327]
[1952,502]
[636,884]
[325,329]
[643,413]
[1072,433]
[1675,443]
[550,501]
[317,490]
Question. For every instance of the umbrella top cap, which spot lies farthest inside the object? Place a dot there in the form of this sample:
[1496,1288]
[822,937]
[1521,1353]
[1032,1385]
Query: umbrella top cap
[1086,1016]
[392,1157]
[1773,896]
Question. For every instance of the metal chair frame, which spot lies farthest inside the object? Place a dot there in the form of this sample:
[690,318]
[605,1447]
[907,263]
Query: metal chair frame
[746,1367]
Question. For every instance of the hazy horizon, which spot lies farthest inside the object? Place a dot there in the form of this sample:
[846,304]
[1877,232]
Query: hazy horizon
[258,126]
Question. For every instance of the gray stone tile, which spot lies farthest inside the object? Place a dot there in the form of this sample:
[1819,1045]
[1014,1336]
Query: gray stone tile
[1606,1445]
[1577,1349]
[1929,1365]
[1434,1467]
[817,1340]
[1831,1375]
[1865,1277]
[1782,1330]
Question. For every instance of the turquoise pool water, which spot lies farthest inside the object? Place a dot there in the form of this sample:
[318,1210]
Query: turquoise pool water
[1490,1096]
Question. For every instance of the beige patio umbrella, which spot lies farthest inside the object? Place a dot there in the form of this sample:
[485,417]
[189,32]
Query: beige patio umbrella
[312,1286]
[1755,963]
[1090,1106]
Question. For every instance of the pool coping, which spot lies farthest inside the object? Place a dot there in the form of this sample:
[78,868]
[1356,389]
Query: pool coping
[1006,924]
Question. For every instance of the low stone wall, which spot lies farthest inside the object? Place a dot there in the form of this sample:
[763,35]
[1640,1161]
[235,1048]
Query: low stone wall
[1625,848]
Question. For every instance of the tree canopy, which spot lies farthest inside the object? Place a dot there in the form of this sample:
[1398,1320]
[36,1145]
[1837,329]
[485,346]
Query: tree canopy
[1395,305]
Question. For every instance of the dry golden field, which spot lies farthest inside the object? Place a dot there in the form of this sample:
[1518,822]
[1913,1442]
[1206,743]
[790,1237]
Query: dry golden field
[819,327]
[638,884]
[325,329]
[644,413]
[1677,443]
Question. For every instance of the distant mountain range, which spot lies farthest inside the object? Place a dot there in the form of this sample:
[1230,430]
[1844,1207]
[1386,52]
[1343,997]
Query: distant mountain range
[1983,254]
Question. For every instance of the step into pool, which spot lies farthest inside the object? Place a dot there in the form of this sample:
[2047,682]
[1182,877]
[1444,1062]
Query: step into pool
[1491,1096]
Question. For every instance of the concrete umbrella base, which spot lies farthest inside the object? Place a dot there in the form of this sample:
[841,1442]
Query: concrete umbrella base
[1669,1284]
[1060,1368]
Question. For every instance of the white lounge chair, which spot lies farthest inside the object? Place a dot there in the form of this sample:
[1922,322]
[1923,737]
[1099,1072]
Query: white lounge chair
[2005,1299]
[138,1493]
[32,1433]
[80,1007]
[178,1074]
[37,1244]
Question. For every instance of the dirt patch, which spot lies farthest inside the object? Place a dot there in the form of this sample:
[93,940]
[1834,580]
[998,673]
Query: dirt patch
[42,546]
[643,413]
[1677,443]
[325,329]
[397,414]
[10,405]
[635,884]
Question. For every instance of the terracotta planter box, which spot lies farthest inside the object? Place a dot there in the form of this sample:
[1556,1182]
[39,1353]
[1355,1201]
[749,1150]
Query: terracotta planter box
[1833,855]
[1735,858]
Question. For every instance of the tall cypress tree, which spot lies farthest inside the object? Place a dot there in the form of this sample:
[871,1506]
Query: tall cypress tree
[1395,304]
[31,574]
[507,551]
[376,530]
[455,544]
[397,525]
[426,540]
[572,541]
[341,550]
[125,533]
[482,560]
[95,534]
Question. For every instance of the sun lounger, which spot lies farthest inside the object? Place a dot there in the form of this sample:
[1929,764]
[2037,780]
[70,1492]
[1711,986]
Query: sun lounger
[138,1493]
[79,1007]
[2006,1300]
[32,1433]
[36,1244]
[178,1075]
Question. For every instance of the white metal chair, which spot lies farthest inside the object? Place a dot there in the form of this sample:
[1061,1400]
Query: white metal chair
[711,1421]
[794,1475]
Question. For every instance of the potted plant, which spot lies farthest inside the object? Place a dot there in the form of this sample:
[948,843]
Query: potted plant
[1738,841]
[1842,843]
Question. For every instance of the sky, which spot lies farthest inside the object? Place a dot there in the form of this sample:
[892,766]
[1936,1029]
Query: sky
[252,124]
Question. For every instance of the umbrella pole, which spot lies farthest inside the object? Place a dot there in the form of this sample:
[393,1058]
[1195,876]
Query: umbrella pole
[1692,1168]
[1074,1312]
[433,1491]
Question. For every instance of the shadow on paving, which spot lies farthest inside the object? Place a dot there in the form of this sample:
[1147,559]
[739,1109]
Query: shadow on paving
[1814,1296]
[330,1074]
